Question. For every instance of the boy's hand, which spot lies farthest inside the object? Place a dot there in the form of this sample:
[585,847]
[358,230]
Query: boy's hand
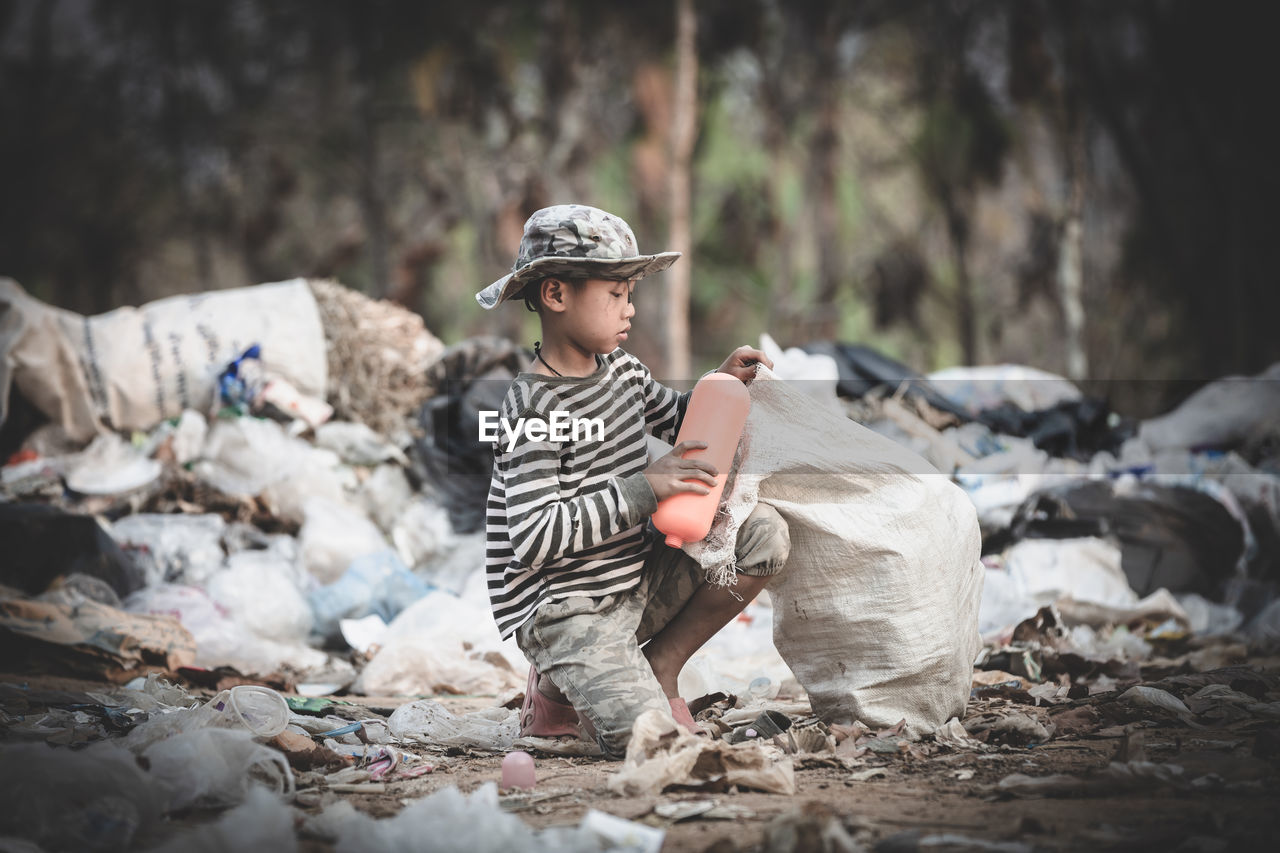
[742,363]
[666,476]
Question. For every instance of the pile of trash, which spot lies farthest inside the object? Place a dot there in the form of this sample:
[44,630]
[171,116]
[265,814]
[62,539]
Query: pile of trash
[250,489]
[152,756]
[1079,505]
[274,497]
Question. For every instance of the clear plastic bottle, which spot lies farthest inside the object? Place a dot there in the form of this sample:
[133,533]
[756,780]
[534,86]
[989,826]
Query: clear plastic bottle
[717,412]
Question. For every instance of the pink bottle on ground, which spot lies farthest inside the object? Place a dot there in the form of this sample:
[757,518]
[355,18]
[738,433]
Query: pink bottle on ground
[716,415]
[517,770]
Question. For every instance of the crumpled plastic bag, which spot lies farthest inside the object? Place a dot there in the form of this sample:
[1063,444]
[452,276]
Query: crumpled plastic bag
[661,754]
[447,820]
[427,721]
[375,584]
[211,766]
[444,643]
[172,548]
[96,798]
[333,535]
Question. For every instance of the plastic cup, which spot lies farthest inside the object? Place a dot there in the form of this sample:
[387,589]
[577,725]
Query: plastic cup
[259,709]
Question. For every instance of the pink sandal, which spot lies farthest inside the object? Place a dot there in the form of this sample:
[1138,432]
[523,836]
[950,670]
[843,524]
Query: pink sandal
[543,717]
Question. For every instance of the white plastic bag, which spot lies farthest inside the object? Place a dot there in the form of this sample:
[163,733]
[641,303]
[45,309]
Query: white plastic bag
[260,591]
[384,494]
[427,721]
[333,535]
[357,444]
[444,643]
[1037,572]
[109,466]
[422,533]
[222,640]
[215,767]
[250,456]
[448,821]
[173,548]
[261,822]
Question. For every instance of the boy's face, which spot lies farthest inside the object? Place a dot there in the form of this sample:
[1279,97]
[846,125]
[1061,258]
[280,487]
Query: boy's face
[598,314]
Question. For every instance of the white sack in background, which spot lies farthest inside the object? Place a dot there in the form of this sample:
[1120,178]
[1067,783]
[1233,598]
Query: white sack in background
[134,367]
[876,611]
[1221,414]
[1045,571]
[981,387]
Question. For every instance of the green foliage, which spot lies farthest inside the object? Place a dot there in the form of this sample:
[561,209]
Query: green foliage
[171,146]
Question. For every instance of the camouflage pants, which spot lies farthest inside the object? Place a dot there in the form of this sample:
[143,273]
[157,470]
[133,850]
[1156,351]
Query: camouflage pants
[590,646]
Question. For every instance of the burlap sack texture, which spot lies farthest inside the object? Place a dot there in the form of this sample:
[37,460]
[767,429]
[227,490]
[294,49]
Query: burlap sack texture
[378,354]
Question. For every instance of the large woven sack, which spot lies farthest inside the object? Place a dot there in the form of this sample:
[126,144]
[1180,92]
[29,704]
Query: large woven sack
[133,367]
[876,611]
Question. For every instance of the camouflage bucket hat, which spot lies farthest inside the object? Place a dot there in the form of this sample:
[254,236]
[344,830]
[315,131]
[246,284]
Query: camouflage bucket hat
[573,239]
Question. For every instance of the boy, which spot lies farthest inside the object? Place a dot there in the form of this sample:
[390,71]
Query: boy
[574,572]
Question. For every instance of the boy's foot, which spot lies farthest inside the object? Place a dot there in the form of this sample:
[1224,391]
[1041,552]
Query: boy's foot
[540,716]
[680,710]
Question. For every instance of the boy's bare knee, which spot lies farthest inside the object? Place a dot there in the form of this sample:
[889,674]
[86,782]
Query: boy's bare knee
[764,542]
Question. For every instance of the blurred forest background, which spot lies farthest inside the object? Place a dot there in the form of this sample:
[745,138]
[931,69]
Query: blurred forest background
[1085,187]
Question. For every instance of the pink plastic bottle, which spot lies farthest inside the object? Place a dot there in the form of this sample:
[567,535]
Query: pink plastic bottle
[517,770]
[716,415]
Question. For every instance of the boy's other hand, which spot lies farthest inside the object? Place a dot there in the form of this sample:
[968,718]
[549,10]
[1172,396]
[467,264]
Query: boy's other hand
[668,474]
[742,363]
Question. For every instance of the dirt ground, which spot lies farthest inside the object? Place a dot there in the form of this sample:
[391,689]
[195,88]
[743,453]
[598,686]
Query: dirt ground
[925,797]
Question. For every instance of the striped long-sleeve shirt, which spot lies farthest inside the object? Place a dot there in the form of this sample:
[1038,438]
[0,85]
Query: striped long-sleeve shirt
[567,517]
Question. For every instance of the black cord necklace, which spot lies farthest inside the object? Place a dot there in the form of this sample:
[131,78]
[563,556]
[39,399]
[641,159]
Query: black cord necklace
[537,351]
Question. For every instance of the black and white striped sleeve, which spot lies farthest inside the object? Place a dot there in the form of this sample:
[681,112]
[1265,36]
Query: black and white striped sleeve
[664,407]
[544,528]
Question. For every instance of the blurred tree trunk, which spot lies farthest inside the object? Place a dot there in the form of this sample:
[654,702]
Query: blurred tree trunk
[1071,251]
[683,133]
[958,231]
[823,175]
[371,202]
[1071,263]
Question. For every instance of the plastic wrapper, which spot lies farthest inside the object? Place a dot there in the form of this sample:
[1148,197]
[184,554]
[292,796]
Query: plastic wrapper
[422,533]
[215,767]
[375,584]
[427,721]
[172,548]
[260,590]
[452,821]
[356,444]
[96,798]
[384,494]
[109,466]
[333,536]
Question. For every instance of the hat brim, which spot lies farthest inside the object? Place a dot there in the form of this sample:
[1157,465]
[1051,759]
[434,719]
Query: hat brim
[509,286]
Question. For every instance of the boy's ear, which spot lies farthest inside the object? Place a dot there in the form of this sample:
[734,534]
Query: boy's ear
[551,293]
